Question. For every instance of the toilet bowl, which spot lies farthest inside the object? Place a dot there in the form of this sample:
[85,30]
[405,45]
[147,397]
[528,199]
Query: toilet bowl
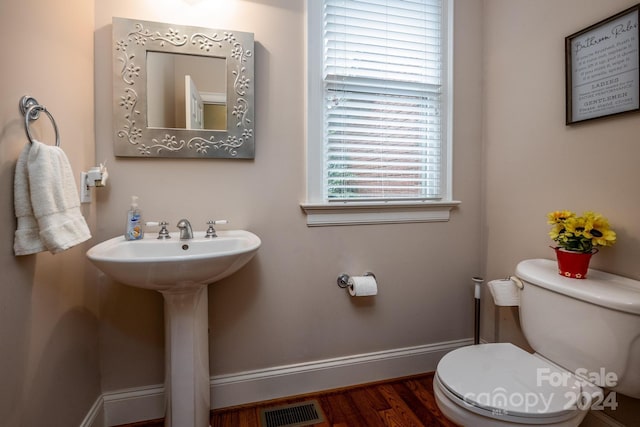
[503,385]
[586,335]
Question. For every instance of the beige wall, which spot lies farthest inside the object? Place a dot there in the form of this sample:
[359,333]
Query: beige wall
[285,307]
[48,303]
[514,160]
[534,163]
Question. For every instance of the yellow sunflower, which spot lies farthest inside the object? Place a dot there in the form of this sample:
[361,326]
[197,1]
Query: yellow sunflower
[559,217]
[598,230]
[575,226]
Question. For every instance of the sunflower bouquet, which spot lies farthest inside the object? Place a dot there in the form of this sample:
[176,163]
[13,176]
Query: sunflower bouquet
[580,233]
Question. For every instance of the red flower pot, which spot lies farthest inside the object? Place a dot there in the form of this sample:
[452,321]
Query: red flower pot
[573,264]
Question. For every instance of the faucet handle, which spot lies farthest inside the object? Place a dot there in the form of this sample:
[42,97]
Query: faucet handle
[211,232]
[163,233]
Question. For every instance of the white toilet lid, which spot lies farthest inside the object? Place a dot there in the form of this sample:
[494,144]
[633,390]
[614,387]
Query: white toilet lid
[506,380]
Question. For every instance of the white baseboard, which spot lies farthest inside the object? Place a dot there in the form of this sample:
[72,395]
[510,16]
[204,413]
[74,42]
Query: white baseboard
[95,416]
[291,380]
[133,405]
[146,403]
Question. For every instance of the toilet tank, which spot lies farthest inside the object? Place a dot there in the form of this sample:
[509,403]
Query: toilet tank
[588,326]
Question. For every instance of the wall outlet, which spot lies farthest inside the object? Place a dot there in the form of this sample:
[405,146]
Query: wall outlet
[85,193]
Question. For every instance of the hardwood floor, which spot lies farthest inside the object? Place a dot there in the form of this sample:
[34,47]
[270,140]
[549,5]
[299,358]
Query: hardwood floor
[403,402]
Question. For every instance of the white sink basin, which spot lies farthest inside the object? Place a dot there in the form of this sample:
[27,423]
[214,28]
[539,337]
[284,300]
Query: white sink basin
[163,264]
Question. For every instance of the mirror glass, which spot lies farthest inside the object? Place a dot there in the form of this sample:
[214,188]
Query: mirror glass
[173,79]
[182,91]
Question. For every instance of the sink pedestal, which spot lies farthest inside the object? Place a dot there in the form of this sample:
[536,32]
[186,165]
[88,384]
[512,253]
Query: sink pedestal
[187,392]
[181,270]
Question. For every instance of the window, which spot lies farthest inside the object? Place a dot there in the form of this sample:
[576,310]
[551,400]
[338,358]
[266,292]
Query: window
[378,121]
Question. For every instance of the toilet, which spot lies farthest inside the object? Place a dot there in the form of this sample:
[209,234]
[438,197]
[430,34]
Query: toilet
[586,338]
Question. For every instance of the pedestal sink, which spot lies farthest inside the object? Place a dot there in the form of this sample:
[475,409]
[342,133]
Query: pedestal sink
[181,271]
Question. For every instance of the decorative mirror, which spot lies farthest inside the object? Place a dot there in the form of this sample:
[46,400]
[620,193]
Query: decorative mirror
[181,91]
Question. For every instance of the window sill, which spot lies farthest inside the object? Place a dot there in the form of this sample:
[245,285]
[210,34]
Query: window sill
[360,213]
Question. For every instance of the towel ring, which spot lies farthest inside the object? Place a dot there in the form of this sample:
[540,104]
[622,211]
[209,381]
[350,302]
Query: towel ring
[31,110]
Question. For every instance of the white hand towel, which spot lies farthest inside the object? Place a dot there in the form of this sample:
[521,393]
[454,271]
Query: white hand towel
[27,237]
[46,202]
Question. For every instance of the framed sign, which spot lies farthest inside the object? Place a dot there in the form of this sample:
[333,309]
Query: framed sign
[602,70]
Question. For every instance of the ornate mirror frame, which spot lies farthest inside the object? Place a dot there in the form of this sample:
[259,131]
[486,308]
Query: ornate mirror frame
[132,39]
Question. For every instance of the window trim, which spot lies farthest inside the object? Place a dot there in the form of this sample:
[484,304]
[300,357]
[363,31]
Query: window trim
[364,213]
[320,212]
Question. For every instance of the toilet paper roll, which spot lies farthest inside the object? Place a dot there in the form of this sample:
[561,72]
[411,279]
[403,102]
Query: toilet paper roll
[362,286]
[505,292]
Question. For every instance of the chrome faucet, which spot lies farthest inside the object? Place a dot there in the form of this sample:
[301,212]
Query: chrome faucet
[185,229]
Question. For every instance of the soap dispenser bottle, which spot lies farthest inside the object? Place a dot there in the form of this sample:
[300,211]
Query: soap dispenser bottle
[133,230]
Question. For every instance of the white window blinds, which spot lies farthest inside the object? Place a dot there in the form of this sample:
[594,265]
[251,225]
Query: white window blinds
[382,75]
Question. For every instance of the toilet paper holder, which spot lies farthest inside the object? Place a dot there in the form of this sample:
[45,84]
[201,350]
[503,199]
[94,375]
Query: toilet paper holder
[343,279]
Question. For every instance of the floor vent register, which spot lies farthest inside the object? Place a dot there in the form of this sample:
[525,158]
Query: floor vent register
[294,415]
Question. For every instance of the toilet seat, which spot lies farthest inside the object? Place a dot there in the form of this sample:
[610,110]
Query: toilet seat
[504,382]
